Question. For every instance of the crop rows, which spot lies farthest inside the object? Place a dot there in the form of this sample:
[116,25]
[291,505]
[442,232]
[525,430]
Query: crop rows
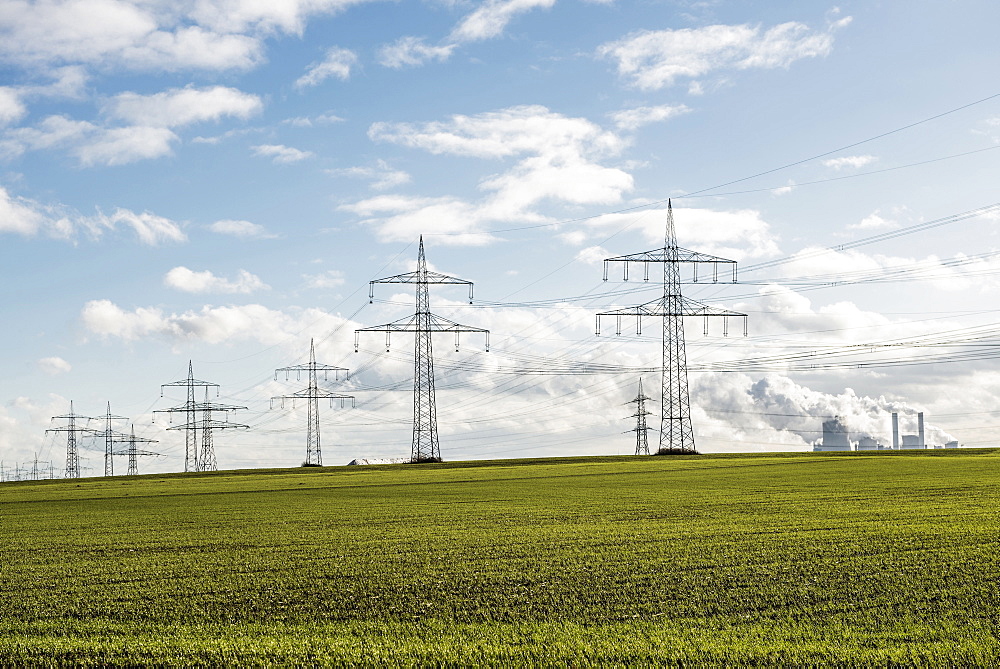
[765,558]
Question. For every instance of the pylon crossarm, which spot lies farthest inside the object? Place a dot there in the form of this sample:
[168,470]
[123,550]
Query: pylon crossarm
[308,367]
[659,308]
[432,323]
[211,424]
[665,255]
[421,277]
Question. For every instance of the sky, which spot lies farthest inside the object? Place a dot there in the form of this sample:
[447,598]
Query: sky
[217,181]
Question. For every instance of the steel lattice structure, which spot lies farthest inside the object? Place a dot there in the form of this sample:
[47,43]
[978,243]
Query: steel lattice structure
[676,432]
[312,394]
[193,462]
[111,437]
[426,446]
[73,433]
[133,453]
[641,429]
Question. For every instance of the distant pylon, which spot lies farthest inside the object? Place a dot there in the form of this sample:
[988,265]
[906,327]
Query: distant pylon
[133,452]
[640,429]
[111,437]
[425,446]
[312,395]
[676,432]
[73,433]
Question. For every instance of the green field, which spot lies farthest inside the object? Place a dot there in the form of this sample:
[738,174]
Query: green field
[850,558]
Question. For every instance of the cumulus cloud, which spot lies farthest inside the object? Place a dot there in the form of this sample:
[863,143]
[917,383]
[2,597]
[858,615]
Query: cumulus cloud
[381,175]
[182,106]
[151,229]
[189,281]
[654,59]
[853,162]
[337,63]
[28,217]
[554,159]
[21,215]
[412,51]
[491,18]
[11,107]
[874,221]
[487,21]
[53,366]
[737,234]
[215,325]
[280,154]
[244,229]
[328,279]
[92,144]
[633,119]
[154,35]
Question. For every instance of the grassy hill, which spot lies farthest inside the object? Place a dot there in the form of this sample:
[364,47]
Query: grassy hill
[854,558]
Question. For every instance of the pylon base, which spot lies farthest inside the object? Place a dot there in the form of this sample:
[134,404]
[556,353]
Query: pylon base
[677,451]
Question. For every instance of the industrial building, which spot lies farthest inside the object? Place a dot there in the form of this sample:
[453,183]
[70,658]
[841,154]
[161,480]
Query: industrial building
[836,437]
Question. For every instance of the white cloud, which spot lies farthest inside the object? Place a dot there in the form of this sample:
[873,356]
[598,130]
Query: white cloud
[121,146]
[593,255]
[491,18]
[654,59]
[556,158]
[189,281]
[874,221]
[28,217]
[853,162]
[53,366]
[338,63]
[11,107]
[738,234]
[849,161]
[244,229]
[412,51]
[508,132]
[382,175]
[151,229]
[92,144]
[329,279]
[633,119]
[251,322]
[182,106]
[152,34]
[20,215]
[125,34]
[282,155]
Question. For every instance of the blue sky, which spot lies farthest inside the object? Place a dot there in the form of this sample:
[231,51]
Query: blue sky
[218,180]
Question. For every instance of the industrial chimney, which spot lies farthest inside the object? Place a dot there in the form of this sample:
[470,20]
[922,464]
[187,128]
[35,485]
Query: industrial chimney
[895,431]
[920,430]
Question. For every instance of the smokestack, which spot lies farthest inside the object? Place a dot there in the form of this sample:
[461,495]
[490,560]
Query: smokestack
[920,429]
[895,431]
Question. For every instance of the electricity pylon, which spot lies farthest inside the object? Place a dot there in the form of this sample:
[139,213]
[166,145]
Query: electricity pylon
[426,447]
[133,452]
[73,433]
[640,429]
[676,433]
[192,461]
[312,394]
[111,437]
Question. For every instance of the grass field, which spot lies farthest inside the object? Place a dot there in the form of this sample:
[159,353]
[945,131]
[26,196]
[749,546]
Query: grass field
[795,558]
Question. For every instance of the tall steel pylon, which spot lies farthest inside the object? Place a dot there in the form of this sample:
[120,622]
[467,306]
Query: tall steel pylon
[133,452]
[193,462]
[111,437]
[676,432]
[640,429]
[73,433]
[312,394]
[426,446]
